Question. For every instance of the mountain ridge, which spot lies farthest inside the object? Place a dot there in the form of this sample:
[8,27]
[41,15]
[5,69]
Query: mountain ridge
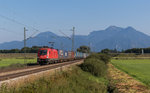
[111,37]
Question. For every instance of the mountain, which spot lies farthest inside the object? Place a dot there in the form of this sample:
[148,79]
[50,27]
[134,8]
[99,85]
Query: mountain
[128,38]
[112,37]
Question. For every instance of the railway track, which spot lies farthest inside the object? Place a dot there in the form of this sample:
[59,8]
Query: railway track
[35,70]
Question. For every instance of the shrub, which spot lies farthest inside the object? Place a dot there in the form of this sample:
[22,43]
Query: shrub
[94,66]
[103,57]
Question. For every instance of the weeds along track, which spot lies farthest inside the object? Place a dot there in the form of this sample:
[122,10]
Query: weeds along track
[36,69]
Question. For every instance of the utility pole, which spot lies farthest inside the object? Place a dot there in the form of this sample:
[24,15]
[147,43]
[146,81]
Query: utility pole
[25,45]
[73,30]
[90,47]
[142,51]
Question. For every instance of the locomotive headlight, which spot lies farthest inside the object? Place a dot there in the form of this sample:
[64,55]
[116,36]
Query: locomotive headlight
[47,56]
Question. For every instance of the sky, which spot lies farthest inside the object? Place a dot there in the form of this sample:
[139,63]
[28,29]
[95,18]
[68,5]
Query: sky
[61,15]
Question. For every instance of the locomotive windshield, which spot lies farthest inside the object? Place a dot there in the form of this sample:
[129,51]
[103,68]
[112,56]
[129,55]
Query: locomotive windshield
[43,52]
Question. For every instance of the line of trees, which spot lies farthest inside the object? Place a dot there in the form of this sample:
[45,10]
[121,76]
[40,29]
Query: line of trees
[33,49]
[133,50]
[109,51]
[137,50]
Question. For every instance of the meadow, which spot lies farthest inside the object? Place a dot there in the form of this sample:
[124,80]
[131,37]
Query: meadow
[9,59]
[137,68]
[8,62]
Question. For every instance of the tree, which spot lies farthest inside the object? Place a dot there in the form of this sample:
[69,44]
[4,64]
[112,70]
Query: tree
[105,51]
[35,49]
[84,49]
[14,51]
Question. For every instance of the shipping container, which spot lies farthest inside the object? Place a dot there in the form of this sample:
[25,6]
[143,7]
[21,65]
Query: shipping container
[61,54]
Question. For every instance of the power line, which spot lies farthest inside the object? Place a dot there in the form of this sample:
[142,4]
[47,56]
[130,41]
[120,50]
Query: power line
[65,34]
[7,30]
[17,22]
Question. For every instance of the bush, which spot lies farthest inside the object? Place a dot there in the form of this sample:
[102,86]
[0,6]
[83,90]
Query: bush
[94,66]
[103,57]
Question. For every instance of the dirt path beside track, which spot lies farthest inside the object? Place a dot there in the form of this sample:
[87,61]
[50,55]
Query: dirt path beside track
[125,83]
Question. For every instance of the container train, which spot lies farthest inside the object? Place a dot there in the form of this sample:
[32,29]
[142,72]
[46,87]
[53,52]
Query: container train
[50,55]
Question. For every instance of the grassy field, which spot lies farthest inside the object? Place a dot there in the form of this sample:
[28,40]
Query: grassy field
[138,68]
[10,61]
[16,58]
[17,55]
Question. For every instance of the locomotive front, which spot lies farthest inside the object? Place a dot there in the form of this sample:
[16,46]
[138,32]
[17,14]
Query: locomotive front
[47,55]
[42,56]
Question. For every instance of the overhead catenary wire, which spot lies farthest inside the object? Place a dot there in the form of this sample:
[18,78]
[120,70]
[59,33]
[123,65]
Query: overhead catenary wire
[7,30]
[17,22]
[65,35]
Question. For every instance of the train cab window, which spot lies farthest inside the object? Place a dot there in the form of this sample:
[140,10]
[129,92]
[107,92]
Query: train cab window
[43,52]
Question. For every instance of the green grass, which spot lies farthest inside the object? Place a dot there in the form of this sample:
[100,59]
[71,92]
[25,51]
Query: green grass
[7,62]
[73,81]
[138,68]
